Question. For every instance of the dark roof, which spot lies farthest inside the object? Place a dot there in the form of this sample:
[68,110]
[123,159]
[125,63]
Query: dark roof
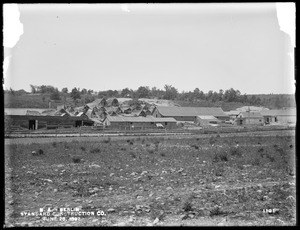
[279,112]
[140,119]
[111,101]
[169,111]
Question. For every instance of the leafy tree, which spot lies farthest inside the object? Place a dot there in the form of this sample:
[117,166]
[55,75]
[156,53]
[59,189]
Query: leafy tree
[55,95]
[64,90]
[33,88]
[209,95]
[83,91]
[171,92]
[45,89]
[126,92]
[75,94]
[143,91]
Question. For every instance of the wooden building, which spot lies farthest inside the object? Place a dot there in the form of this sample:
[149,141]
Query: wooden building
[189,113]
[132,122]
[20,117]
[249,118]
[283,116]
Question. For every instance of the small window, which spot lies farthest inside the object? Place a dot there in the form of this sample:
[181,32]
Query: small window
[166,123]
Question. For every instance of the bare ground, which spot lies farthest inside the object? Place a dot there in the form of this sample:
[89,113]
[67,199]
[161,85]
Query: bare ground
[201,180]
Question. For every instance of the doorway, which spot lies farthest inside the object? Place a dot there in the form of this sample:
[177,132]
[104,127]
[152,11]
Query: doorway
[78,123]
[31,124]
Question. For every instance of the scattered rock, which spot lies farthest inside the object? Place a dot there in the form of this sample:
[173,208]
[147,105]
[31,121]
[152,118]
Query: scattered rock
[120,224]
[110,210]
[144,172]
[95,166]
[169,188]
[111,174]
[131,219]
[60,165]
[191,215]
[138,207]
[156,220]
[139,197]
[184,216]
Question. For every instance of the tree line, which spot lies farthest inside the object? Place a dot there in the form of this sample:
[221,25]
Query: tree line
[168,93]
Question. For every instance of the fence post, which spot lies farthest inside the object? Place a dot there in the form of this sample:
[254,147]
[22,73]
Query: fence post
[56,130]
[80,131]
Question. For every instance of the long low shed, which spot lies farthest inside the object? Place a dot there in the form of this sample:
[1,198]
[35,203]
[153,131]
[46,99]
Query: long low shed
[36,122]
[189,113]
[122,122]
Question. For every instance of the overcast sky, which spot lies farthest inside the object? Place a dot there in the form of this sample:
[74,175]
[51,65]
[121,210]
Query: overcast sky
[101,47]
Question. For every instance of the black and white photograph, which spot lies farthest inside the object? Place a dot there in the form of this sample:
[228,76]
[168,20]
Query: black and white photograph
[149,114]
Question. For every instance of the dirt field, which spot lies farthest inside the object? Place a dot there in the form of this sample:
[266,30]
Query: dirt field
[214,180]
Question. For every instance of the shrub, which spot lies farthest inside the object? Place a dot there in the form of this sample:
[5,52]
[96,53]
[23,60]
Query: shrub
[82,148]
[54,144]
[187,206]
[131,143]
[261,150]
[150,151]
[195,146]
[219,171]
[216,211]
[123,149]
[95,150]
[66,146]
[107,140]
[41,152]
[132,154]
[223,156]
[256,162]
[156,146]
[76,159]
[147,144]
[162,154]
[236,152]
[272,159]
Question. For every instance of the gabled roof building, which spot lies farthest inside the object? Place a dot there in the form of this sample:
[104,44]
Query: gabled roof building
[189,113]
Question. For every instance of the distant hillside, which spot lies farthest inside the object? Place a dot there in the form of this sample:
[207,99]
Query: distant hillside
[271,101]
[31,101]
